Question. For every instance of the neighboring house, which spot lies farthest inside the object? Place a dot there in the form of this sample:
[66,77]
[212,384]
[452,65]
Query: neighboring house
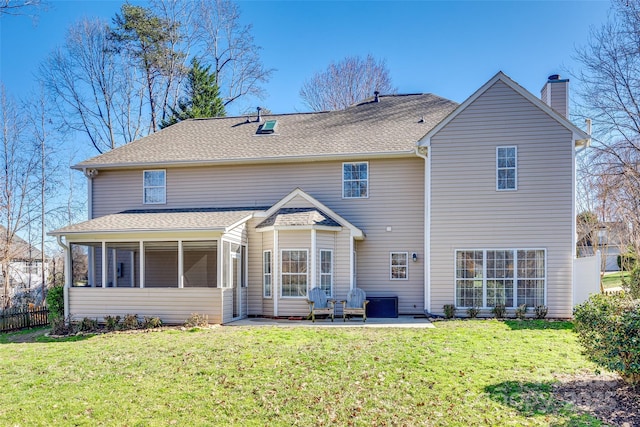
[24,267]
[607,237]
[411,196]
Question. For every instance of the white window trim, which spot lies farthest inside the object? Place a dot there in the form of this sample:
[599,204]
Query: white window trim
[484,274]
[342,180]
[270,274]
[330,273]
[515,168]
[282,273]
[406,254]
[164,187]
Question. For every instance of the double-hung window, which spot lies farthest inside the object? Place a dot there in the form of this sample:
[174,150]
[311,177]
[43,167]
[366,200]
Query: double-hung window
[506,168]
[355,180]
[326,271]
[399,265]
[267,274]
[486,278]
[154,187]
[294,273]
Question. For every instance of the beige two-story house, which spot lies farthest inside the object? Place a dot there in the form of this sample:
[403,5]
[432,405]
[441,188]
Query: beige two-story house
[413,197]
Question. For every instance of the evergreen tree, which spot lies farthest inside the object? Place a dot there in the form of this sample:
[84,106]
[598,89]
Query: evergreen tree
[203,97]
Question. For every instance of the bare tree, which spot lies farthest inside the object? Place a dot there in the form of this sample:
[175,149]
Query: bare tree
[346,82]
[19,7]
[229,46]
[610,94]
[18,184]
[95,93]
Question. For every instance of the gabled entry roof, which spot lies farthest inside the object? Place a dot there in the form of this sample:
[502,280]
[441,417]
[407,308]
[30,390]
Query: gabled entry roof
[314,215]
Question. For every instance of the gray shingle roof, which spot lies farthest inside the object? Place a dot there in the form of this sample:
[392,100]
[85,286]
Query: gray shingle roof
[299,217]
[166,220]
[19,248]
[393,125]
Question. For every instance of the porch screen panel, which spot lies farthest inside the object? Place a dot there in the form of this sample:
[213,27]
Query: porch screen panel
[79,264]
[161,264]
[200,264]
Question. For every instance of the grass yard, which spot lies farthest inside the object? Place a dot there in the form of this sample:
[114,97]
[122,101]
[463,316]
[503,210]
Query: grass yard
[613,279]
[461,373]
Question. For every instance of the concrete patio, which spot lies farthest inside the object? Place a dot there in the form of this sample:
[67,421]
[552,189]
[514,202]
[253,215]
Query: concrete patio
[356,322]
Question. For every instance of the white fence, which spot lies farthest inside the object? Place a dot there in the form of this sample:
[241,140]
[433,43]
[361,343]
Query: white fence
[586,277]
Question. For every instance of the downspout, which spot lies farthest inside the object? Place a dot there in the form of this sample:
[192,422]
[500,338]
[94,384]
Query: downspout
[67,275]
[424,152]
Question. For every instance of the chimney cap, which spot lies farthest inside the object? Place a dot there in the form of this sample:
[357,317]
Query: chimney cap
[554,77]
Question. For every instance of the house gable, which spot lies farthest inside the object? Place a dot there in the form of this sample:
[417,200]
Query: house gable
[579,137]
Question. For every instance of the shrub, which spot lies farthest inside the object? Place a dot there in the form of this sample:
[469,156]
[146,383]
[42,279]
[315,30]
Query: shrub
[541,311]
[500,311]
[627,261]
[521,311]
[608,328]
[633,284]
[473,312]
[151,322]
[449,311]
[55,302]
[196,320]
[87,325]
[130,321]
[112,323]
[60,326]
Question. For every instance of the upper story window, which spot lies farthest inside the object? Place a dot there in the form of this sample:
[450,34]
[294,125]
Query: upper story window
[155,187]
[355,180]
[506,168]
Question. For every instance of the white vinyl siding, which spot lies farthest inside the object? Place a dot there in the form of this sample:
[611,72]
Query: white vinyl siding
[267,278]
[486,278]
[294,275]
[506,168]
[326,271]
[154,187]
[355,180]
[399,265]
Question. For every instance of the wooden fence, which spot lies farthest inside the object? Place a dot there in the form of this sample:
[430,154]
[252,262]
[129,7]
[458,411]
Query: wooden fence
[14,319]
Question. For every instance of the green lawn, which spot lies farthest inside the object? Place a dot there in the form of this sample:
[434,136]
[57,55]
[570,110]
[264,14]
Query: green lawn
[613,279]
[462,373]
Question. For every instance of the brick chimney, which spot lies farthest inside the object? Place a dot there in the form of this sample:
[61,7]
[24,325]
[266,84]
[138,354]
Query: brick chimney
[555,93]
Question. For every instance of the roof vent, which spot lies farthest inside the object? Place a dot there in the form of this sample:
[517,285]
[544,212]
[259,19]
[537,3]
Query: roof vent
[268,127]
[259,119]
[377,95]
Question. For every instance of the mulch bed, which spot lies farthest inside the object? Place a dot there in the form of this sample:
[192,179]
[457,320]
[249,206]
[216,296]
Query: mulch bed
[605,396]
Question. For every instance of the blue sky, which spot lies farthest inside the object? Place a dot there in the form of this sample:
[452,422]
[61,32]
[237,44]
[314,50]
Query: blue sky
[447,48]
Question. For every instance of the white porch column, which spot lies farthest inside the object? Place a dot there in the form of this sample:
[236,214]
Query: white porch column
[351,263]
[105,267]
[114,268]
[312,255]
[275,279]
[180,265]
[141,267]
[91,259]
[133,269]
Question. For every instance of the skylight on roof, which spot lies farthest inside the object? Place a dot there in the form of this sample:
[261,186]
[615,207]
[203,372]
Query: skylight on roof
[268,127]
